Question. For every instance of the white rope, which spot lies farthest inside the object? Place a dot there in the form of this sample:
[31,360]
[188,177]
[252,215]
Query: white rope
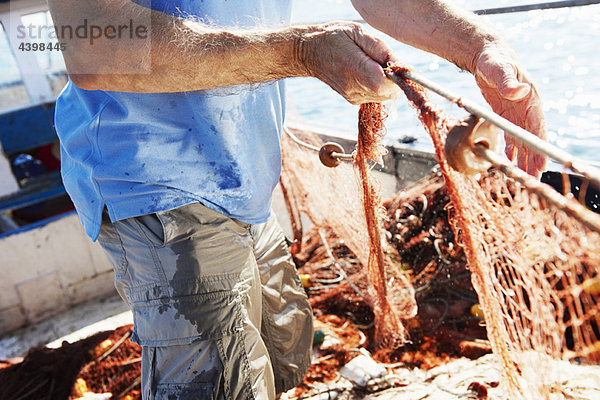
[341,156]
[338,267]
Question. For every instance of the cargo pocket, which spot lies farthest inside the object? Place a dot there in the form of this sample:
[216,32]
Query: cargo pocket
[163,316]
[196,340]
[154,228]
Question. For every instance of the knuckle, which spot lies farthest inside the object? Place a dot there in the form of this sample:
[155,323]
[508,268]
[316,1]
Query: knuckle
[354,25]
[356,29]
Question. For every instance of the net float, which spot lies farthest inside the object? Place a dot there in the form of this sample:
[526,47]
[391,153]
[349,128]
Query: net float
[591,286]
[305,279]
[328,152]
[462,138]
[80,388]
[100,349]
[477,311]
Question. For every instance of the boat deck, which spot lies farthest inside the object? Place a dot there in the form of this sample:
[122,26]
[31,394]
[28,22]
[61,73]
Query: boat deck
[73,324]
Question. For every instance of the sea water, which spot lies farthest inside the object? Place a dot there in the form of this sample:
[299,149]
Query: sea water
[558,47]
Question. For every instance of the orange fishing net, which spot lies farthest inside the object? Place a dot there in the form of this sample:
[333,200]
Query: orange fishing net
[388,326]
[535,268]
[332,200]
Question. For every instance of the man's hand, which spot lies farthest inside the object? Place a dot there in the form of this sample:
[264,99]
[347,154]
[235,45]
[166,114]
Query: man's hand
[511,94]
[440,27]
[349,60]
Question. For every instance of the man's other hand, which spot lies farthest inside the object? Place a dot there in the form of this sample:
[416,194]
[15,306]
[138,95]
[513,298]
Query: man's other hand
[349,60]
[506,87]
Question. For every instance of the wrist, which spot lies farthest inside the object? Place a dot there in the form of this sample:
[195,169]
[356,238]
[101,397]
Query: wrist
[484,46]
[302,50]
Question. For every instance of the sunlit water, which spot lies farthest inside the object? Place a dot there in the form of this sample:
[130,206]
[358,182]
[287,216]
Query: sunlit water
[558,47]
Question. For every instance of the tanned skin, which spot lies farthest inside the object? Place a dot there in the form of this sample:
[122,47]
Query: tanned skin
[184,55]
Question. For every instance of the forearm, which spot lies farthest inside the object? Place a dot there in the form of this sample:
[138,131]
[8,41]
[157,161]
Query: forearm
[431,25]
[464,39]
[179,55]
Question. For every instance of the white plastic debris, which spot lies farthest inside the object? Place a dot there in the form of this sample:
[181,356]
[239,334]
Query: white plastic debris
[362,369]
[95,396]
[330,341]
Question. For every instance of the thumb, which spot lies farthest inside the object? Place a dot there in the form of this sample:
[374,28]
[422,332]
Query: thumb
[508,84]
[374,47]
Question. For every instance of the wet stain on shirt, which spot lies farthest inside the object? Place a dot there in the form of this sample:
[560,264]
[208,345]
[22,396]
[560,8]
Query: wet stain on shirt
[229,176]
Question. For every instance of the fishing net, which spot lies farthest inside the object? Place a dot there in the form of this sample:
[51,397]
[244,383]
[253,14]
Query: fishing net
[534,267]
[344,207]
[388,326]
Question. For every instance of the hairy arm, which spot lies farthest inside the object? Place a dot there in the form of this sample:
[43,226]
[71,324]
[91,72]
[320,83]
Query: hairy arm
[464,39]
[175,55]
[434,26]
[184,55]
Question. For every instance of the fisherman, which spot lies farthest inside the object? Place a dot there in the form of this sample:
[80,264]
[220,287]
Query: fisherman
[170,151]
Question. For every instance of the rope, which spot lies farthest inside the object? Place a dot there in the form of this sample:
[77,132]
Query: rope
[524,7]
[525,137]
[341,156]
[300,142]
[536,6]
[338,267]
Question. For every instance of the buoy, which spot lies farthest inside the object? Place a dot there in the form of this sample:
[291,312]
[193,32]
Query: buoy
[470,132]
[476,311]
[326,157]
[318,337]
[591,285]
[305,280]
[100,349]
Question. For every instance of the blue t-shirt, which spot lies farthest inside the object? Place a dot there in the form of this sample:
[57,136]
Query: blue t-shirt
[143,153]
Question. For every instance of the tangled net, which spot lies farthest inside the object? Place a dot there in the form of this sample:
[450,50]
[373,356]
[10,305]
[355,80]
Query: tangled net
[338,213]
[388,325]
[532,269]
[535,268]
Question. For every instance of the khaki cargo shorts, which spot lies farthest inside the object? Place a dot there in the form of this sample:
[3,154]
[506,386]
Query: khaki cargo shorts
[217,304]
